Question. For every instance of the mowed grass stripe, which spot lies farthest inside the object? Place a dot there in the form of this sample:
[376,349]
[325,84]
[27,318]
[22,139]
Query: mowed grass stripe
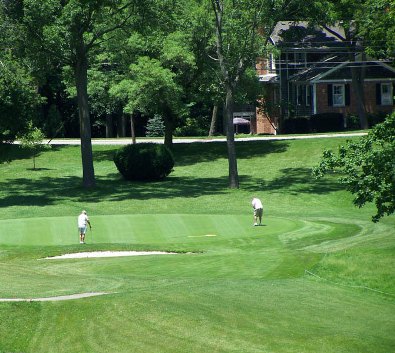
[136,229]
[291,316]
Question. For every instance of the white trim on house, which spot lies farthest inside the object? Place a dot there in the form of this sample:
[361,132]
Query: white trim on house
[315,98]
[326,73]
[384,65]
[337,67]
[378,80]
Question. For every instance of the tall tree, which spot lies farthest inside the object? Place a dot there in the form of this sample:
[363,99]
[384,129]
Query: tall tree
[160,66]
[19,100]
[151,89]
[376,23]
[73,30]
[242,29]
[369,27]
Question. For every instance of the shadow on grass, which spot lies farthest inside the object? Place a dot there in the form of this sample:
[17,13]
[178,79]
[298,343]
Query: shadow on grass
[112,188]
[46,191]
[11,152]
[184,153]
[191,153]
[300,180]
[51,190]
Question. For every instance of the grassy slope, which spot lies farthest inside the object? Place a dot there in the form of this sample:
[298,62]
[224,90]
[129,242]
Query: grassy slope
[245,290]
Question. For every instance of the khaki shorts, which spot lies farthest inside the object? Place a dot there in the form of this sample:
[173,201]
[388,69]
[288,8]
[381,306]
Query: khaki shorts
[258,212]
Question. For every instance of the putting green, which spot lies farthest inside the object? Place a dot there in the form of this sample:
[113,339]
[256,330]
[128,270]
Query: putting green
[139,229]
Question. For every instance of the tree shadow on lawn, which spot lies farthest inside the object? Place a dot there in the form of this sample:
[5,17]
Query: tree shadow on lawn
[48,191]
[191,153]
[300,180]
[112,188]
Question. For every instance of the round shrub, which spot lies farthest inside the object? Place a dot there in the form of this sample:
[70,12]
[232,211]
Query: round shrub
[144,161]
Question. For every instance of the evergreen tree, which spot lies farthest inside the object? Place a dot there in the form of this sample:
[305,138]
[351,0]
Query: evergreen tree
[155,126]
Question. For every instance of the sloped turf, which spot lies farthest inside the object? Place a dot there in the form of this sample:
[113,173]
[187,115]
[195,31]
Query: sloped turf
[317,277]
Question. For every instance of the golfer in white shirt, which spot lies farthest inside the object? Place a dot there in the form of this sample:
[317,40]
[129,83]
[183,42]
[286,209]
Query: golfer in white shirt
[83,221]
[258,210]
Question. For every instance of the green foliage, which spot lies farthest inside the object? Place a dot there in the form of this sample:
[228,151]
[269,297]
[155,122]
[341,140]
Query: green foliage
[193,127]
[32,140]
[146,161]
[367,167]
[376,22]
[155,126]
[19,99]
[150,88]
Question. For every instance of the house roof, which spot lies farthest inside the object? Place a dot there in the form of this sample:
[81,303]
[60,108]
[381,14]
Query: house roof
[338,68]
[300,35]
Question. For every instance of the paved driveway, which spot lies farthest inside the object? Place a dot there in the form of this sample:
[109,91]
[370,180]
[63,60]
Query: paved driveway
[125,141]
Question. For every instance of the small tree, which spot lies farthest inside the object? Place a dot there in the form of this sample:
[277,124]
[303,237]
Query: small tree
[32,140]
[155,126]
[367,167]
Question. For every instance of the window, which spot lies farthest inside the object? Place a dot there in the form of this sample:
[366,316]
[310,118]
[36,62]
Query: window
[338,96]
[308,95]
[299,95]
[386,94]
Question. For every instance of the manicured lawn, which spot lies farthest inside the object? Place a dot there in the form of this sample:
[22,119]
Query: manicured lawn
[317,277]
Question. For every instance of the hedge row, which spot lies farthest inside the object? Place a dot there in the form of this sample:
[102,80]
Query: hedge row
[327,122]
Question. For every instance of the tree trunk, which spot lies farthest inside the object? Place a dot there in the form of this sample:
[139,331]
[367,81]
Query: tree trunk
[230,140]
[132,129]
[169,127]
[357,76]
[213,124]
[109,127]
[80,72]
[121,126]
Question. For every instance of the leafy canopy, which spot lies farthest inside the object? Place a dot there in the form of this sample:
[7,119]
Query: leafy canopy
[367,167]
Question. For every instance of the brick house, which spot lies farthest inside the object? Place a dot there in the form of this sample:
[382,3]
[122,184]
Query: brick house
[312,75]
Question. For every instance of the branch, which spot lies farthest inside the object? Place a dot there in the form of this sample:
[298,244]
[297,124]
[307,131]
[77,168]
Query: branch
[119,25]
[331,31]
[211,57]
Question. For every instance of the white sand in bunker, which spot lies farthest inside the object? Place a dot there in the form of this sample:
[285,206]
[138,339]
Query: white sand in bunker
[57,298]
[93,254]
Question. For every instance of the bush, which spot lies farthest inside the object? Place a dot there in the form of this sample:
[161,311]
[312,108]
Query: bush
[326,122]
[193,127]
[352,122]
[377,118]
[296,126]
[145,161]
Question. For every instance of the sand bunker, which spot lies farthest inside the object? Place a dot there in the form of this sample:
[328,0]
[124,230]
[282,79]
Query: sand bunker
[57,298]
[83,255]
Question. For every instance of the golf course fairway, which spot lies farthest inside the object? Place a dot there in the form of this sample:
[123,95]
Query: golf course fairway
[316,277]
